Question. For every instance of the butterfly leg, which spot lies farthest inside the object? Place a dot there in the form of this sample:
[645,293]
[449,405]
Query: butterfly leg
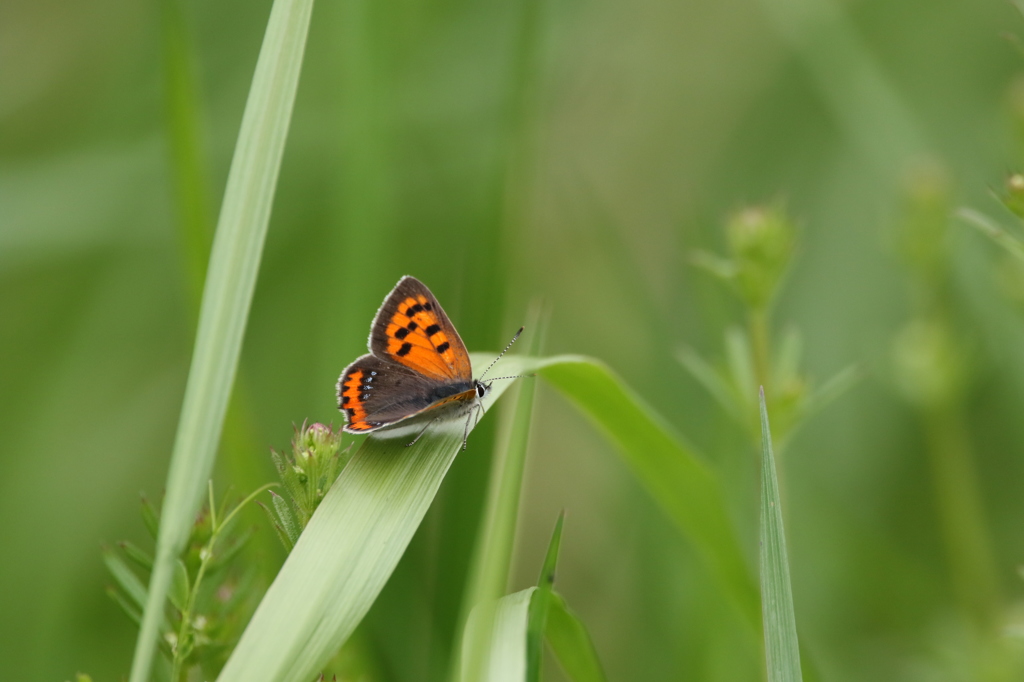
[422,431]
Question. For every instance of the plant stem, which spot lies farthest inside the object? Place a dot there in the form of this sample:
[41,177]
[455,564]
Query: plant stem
[757,321]
[178,672]
[961,514]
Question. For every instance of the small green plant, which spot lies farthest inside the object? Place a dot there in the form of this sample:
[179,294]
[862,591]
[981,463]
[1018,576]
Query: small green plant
[212,594]
[761,242]
[306,474]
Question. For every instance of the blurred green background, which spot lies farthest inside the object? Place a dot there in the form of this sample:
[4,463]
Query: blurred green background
[567,150]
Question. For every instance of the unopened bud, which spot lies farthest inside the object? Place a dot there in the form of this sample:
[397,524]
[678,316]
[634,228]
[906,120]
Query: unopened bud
[1014,197]
[761,244]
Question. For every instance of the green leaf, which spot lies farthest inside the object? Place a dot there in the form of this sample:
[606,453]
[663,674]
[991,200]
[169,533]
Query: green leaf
[838,384]
[125,578]
[571,643]
[713,382]
[231,279]
[282,536]
[993,231]
[178,594]
[349,549]
[284,514]
[504,657]
[149,517]
[782,650]
[138,555]
[685,488]
[134,612]
[541,604]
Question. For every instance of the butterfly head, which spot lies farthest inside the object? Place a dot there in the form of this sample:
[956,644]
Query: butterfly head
[482,389]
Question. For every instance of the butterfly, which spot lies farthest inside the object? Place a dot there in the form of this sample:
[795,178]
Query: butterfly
[417,369]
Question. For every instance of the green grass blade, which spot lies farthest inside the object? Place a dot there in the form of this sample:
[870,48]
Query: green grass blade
[492,557]
[347,552]
[231,278]
[571,643]
[687,490]
[541,605]
[125,577]
[782,650]
[505,622]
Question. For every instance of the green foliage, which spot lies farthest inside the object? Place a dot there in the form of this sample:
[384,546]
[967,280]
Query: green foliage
[761,244]
[211,596]
[306,475]
[510,633]
[782,649]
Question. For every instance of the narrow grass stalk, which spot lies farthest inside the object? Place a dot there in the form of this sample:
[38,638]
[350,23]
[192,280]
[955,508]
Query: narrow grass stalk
[231,279]
[781,647]
[542,604]
[490,566]
[348,551]
[187,167]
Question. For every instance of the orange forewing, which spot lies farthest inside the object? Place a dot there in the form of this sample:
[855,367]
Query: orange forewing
[425,342]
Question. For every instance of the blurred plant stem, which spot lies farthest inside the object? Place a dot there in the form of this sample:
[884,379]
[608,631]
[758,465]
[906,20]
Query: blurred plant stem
[191,191]
[758,328]
[186,631]
[956,486]
[182,110]
[932,370]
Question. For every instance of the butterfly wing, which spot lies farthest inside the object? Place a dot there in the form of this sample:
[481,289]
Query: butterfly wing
[374,393]
[411,329]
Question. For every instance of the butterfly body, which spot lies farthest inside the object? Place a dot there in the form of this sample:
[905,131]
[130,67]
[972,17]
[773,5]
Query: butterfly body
[417,370]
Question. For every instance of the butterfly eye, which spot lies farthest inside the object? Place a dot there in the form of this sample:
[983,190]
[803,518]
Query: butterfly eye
[481,390]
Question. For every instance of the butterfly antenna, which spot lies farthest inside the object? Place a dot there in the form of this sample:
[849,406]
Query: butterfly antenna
[501,353]
[518,376]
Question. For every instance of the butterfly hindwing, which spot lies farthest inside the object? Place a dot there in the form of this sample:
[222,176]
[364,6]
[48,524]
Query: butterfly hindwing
[373,393]
[412,329]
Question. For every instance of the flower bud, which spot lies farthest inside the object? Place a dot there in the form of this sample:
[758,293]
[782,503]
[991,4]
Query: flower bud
[761,244]
[1014,196]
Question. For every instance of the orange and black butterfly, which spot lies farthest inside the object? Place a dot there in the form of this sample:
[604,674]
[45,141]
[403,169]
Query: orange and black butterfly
[417,367]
